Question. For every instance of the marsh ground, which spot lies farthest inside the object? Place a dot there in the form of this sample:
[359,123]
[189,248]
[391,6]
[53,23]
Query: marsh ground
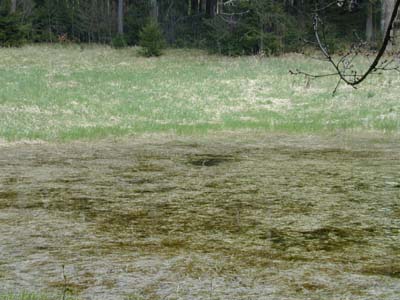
[233,216]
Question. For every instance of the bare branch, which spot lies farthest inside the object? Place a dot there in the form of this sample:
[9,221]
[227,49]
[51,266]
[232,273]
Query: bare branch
[344,67]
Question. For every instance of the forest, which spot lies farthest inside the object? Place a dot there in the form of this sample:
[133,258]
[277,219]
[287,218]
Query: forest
[230,27]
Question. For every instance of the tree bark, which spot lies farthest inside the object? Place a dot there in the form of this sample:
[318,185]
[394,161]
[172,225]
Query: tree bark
[202,5]
[211,7]
[194,7]
[120,16]
[387,9]
[13,7]
[154,9]
[369,30]
[220,6]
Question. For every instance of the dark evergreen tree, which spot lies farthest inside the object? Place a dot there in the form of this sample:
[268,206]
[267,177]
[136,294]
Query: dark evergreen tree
[151,39]
[13,31]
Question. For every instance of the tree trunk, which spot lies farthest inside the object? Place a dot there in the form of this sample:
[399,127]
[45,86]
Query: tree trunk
[13,7]
[387,8]
[220,6]
[369,30]
[261,43]
[110,20]
[211,7]
[120,16]
[154,9]
[202,5]
[194,7]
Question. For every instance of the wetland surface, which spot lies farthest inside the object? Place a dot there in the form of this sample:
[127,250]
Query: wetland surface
[217,217]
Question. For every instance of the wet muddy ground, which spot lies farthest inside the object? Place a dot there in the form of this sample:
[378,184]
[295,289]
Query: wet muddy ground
[222,217]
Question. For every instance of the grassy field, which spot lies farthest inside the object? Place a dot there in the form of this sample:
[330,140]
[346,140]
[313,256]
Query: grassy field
[66,93]
[192,176]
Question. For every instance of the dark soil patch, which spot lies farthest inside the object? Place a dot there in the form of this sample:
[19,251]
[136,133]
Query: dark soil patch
[209,160]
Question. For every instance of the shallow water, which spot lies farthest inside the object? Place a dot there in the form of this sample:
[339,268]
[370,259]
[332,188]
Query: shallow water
[232,217]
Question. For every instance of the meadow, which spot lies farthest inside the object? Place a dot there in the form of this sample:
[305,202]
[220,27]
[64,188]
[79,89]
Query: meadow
[192,176]
[66,93]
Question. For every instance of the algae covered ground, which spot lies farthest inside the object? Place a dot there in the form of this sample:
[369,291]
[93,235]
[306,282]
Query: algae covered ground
[192,176]
[232,217]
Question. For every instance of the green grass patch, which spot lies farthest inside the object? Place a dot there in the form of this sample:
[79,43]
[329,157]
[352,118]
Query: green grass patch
[55,93]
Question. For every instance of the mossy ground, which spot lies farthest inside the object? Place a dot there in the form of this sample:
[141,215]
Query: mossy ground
[228,216]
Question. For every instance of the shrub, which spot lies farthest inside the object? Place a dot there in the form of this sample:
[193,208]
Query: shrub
[119,41]
[151,39]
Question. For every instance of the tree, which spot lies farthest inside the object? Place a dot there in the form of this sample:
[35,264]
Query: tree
[194,7]
[369,26]
[387,9]
[12,31]
[252,27]
[154,9]
[344,67]
[120,17]
[211,7]
[13,7]
[151,39]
